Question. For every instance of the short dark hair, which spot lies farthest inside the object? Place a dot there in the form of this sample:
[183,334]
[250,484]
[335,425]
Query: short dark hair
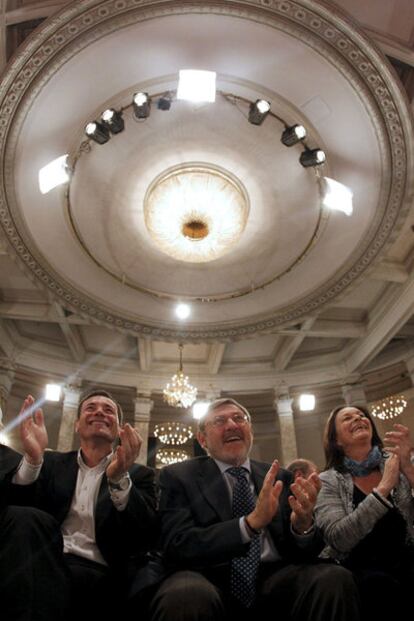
[304,466]
[334,454]
[217,403]
[97,392]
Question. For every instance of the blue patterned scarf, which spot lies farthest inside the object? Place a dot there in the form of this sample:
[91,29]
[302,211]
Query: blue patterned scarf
[365,467]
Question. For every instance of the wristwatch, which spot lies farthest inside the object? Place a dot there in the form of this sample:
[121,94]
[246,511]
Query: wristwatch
[121,485]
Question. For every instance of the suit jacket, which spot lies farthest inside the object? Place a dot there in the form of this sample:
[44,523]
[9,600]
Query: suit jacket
[198,530]
[9,460]
[120,535]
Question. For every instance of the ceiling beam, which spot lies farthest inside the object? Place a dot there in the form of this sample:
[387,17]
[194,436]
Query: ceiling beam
[30,311]
[71,334]
[215,357]
[328,328]
[392,48]
[27,13]
[395,311]
[390,271]
[289,346]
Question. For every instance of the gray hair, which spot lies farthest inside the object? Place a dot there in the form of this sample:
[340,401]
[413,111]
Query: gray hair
[217,403]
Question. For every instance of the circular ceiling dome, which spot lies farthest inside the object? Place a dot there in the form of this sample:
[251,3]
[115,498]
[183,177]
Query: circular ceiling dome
[196,212]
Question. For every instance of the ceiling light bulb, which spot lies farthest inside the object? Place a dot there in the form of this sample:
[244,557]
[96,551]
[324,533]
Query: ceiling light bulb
[293,135]
[196,85]
[182,311]
[140,98]
[97,132]
[337,196]
[200,408]
[312,157]
[113,120]
[263,106]
[4,439]
[52,392]
[53,174]
[258,111]
[306,402]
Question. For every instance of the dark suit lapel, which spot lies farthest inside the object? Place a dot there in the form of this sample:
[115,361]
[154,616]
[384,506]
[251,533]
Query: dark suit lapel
[213,488]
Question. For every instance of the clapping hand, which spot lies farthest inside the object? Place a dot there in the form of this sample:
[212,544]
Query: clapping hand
[302,502]
[125,454]
[33,432]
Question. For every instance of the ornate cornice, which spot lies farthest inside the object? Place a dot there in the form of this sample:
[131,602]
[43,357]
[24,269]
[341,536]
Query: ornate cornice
[315,24]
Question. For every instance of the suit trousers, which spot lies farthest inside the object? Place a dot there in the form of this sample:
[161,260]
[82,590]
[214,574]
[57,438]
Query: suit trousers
[33,578]
[296,592]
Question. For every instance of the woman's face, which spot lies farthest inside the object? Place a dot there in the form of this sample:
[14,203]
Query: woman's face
[352,428]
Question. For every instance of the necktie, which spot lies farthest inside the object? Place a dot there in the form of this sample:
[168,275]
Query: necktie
[244,569]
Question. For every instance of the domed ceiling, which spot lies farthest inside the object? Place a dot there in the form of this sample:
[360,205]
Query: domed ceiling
[293,273]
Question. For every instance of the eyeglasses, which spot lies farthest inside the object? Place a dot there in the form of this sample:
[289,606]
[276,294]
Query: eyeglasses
[220,421]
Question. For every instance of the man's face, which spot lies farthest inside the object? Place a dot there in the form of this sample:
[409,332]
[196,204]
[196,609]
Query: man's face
[227,434]
[98,419]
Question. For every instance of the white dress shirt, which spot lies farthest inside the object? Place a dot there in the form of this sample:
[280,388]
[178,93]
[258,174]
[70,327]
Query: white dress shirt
[78,528]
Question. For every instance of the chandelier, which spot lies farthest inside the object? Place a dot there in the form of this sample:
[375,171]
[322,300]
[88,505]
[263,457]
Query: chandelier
[173,433]
[179,392]
[168,456]
[390,407]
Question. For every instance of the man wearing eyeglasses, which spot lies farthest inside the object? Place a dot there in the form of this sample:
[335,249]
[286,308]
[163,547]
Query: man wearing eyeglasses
[239,538]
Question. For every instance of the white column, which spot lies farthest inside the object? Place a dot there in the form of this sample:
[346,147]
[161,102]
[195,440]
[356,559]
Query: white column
[283,406]
[142,415]
[71,398]
[7,373]
[354,394]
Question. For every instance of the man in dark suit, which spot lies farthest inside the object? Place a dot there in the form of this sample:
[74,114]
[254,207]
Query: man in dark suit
[239,536]
[103,501]
[30,547]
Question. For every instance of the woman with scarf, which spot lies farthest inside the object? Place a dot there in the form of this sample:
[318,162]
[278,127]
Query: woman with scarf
[365,509]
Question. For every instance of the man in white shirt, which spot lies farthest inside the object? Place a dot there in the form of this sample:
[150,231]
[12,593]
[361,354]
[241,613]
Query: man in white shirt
[103,501]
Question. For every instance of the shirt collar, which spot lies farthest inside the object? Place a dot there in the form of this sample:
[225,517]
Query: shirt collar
[223,466]
[101,467]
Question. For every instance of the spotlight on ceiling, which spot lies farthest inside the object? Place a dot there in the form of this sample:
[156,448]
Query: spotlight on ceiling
[258,111]
[312,157]
[293,135]
[337,196]
[142,105]
[113,121]
[199,409]
[306,402]
[182,311]
[164,103]
[196,85]
[52,392]
[97,132]
[53,174]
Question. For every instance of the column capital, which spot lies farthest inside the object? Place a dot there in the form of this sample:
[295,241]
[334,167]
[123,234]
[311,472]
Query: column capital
[142,408]
[283,405]
[71,394]
[354,394]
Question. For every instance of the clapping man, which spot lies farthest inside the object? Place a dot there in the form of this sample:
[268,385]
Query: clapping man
[103,501]
[239,537]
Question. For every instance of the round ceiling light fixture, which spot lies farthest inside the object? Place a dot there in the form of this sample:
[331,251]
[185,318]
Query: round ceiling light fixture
[196,212]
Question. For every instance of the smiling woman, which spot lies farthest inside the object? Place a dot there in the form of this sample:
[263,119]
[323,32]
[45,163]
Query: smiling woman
[365,508]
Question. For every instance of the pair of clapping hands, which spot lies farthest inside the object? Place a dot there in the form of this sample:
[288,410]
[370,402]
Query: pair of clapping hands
[302,501]
[399,446]
[34,438]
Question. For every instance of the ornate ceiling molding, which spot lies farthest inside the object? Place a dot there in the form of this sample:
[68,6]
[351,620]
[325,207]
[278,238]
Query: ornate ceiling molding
[315,24]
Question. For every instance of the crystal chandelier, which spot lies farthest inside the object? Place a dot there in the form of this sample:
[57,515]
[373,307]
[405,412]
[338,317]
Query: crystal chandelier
[179,392]
[173,433]
[168,456]
[390,407]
